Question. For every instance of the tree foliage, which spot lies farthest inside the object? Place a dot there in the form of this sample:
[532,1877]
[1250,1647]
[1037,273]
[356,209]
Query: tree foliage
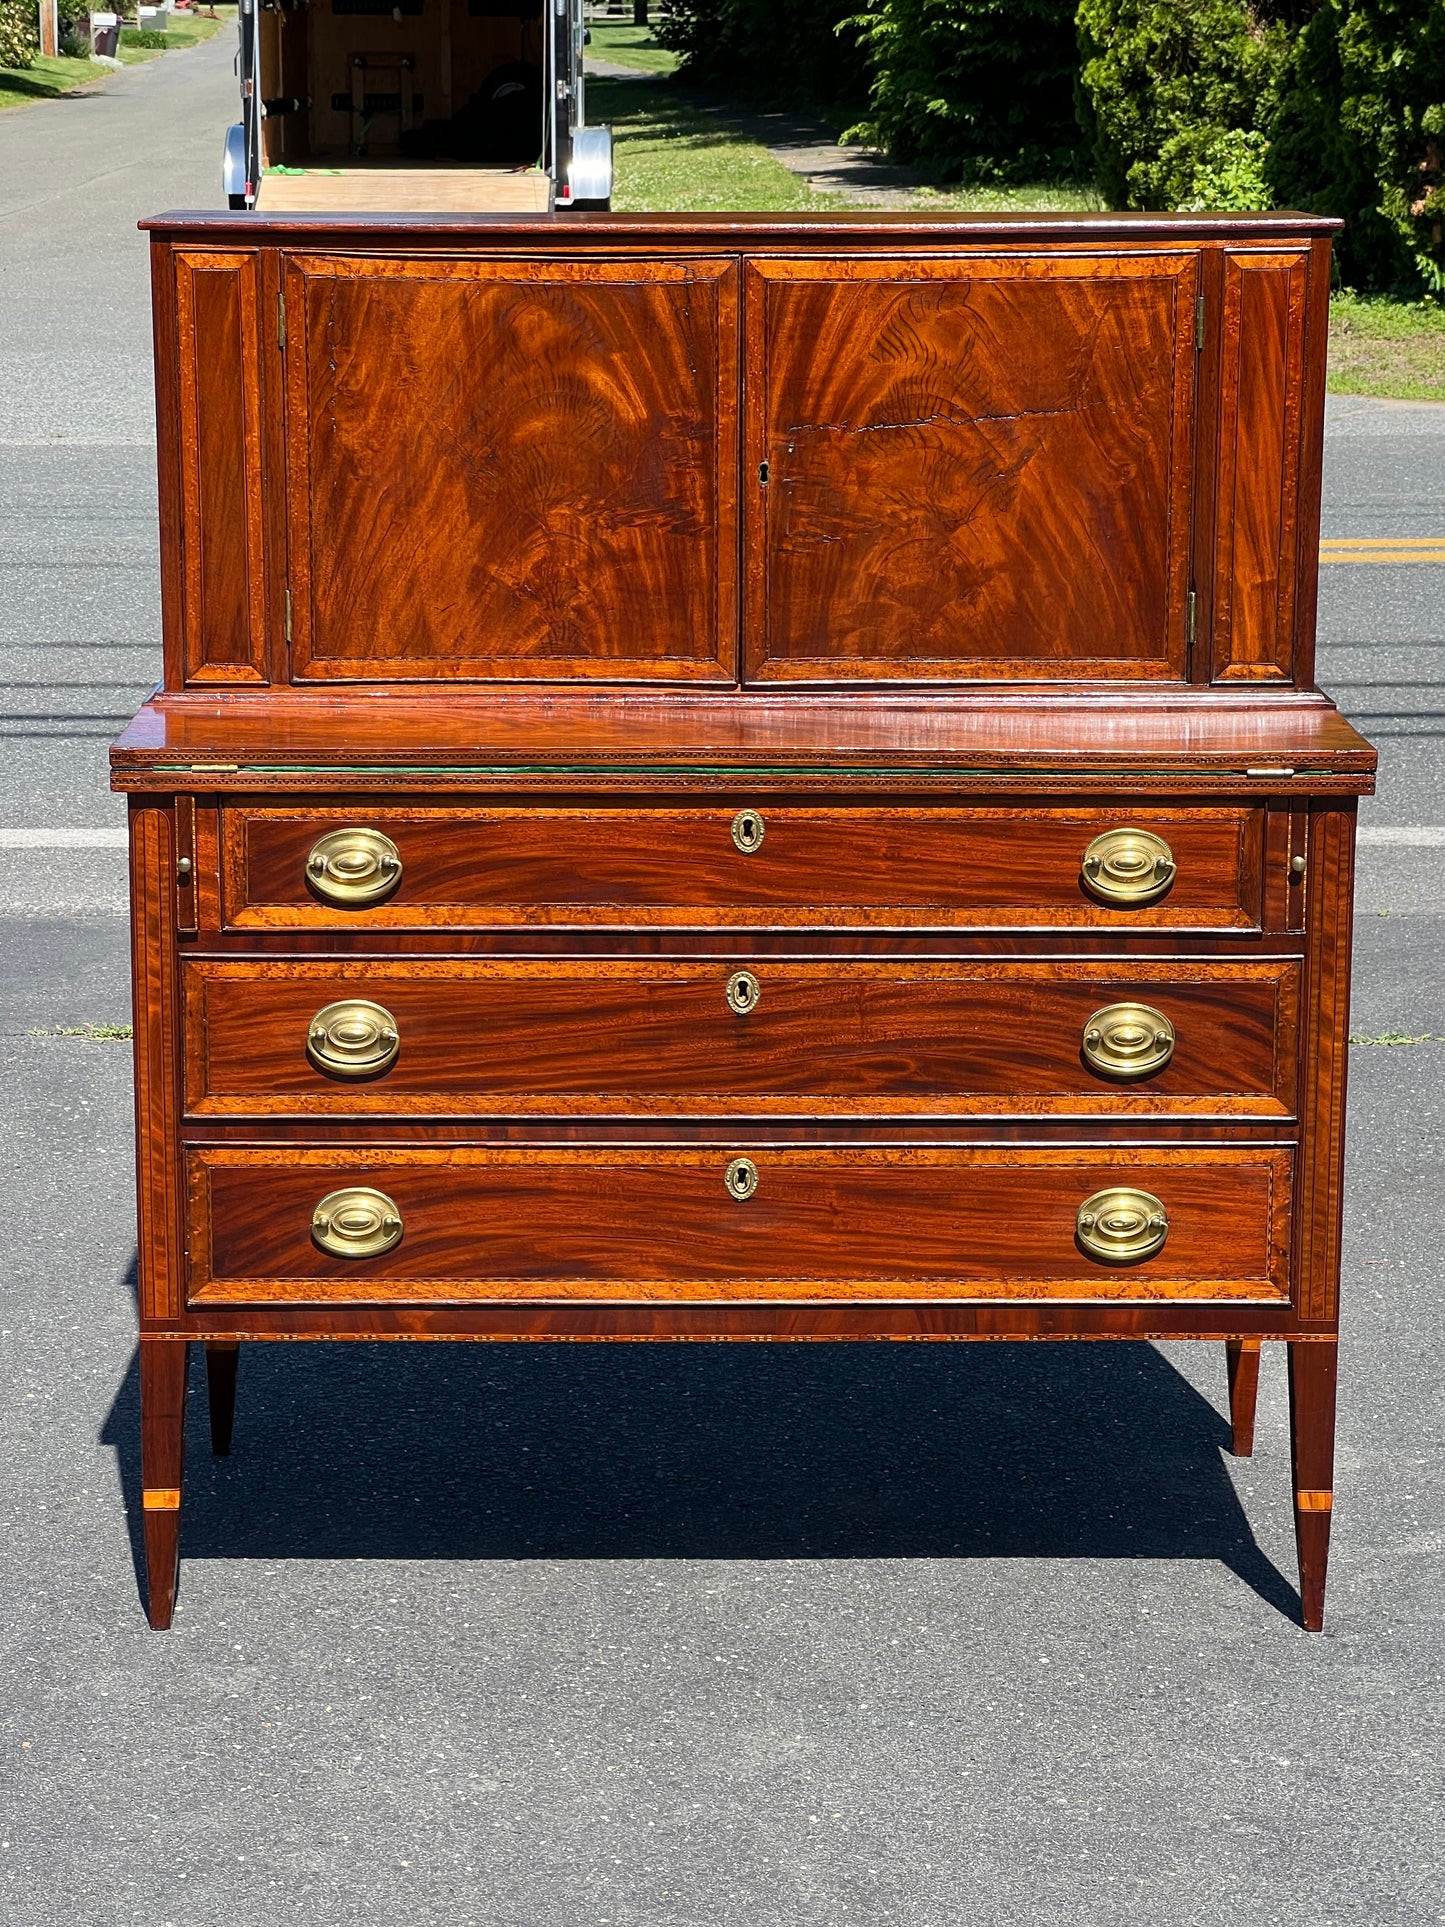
[19,33]
[977,89]
[1360,132]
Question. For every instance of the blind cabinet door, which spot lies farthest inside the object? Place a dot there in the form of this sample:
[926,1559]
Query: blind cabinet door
[970,468]
[511,468]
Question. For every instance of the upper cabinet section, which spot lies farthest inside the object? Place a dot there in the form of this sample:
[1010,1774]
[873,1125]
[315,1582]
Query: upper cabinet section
[676,452]
[971,468]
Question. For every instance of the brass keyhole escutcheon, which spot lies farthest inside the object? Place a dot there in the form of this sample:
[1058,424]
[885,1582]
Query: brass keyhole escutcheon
[1121,1226]
[743,992]
[353,1038]
[356,1223]
[749,830]
[353,867]
[1126,1041]
[741,1178]
[1128,866]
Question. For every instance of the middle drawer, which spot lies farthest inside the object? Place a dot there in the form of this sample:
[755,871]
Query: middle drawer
[702,1037]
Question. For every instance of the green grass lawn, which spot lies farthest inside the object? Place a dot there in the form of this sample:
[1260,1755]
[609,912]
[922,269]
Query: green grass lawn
[22,86]
[671,156]
[1392,349]
[629,46]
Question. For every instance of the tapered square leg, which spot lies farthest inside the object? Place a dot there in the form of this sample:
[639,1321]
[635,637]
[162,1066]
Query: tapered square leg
[1242,1355]
[221,1361]
[162,1454]
[1313,1369]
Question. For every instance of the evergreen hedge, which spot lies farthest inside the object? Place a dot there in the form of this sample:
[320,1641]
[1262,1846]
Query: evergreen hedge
[1175,95]
[795,51]
[1360,132]
[975,89]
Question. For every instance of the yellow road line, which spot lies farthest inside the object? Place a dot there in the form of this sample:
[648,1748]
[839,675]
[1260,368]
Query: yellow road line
[1383,549]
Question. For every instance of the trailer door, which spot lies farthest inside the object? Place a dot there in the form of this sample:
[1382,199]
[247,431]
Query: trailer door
[248,18]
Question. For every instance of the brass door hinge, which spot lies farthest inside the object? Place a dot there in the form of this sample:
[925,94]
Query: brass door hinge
[1199,325]
[1191,610]
[281,319]
[288,618]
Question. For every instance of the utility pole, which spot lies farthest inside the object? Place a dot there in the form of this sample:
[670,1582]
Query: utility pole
[49,29]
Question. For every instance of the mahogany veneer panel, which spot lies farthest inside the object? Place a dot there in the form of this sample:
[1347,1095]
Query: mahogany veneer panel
[562,501]
[622,1036]
[978,467]
[662,865]
[641,1222]
[219,404]
[1259,511]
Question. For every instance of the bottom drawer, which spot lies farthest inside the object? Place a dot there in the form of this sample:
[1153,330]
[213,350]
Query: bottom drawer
[536,1222]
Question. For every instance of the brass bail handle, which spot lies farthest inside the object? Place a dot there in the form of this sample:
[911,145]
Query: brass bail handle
[1128,1041]
[353,1038]
[357,1222]
[1121,1226]
[353,867]
[1128,866]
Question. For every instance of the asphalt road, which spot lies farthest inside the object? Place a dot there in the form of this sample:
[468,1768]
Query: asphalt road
[570,1636]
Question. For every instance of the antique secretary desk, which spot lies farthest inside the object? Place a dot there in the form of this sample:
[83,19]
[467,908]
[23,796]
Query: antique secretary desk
[739,778]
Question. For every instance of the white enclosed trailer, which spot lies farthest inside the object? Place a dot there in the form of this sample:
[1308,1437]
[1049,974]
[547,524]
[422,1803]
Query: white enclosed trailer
[414,106]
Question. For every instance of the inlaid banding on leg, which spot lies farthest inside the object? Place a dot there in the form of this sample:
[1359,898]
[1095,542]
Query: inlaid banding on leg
[1314,1501]
[161,1498]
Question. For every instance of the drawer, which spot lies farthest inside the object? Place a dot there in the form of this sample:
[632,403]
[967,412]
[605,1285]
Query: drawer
[663,864]
[751,1221]
[604,1036]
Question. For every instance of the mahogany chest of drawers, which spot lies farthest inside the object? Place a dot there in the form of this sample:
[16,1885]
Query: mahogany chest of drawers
[725,778]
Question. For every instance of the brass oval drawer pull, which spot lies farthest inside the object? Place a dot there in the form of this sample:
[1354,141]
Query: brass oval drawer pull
[741,1178]
[749,830]
[1120,1226]
[1126,1041]
[356,1223]
[1128,866]
[353,1038]
[743,992]
[353,867]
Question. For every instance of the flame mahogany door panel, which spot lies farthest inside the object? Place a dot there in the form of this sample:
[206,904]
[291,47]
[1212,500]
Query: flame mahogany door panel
[969,468]
[556,498]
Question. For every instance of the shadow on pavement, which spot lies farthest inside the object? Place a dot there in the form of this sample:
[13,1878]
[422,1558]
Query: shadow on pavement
[675,1451]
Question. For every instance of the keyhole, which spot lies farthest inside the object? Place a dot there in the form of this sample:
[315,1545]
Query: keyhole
[743,992]
[748,831]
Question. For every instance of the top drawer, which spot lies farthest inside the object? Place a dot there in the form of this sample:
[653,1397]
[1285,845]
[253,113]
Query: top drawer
[659,865]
